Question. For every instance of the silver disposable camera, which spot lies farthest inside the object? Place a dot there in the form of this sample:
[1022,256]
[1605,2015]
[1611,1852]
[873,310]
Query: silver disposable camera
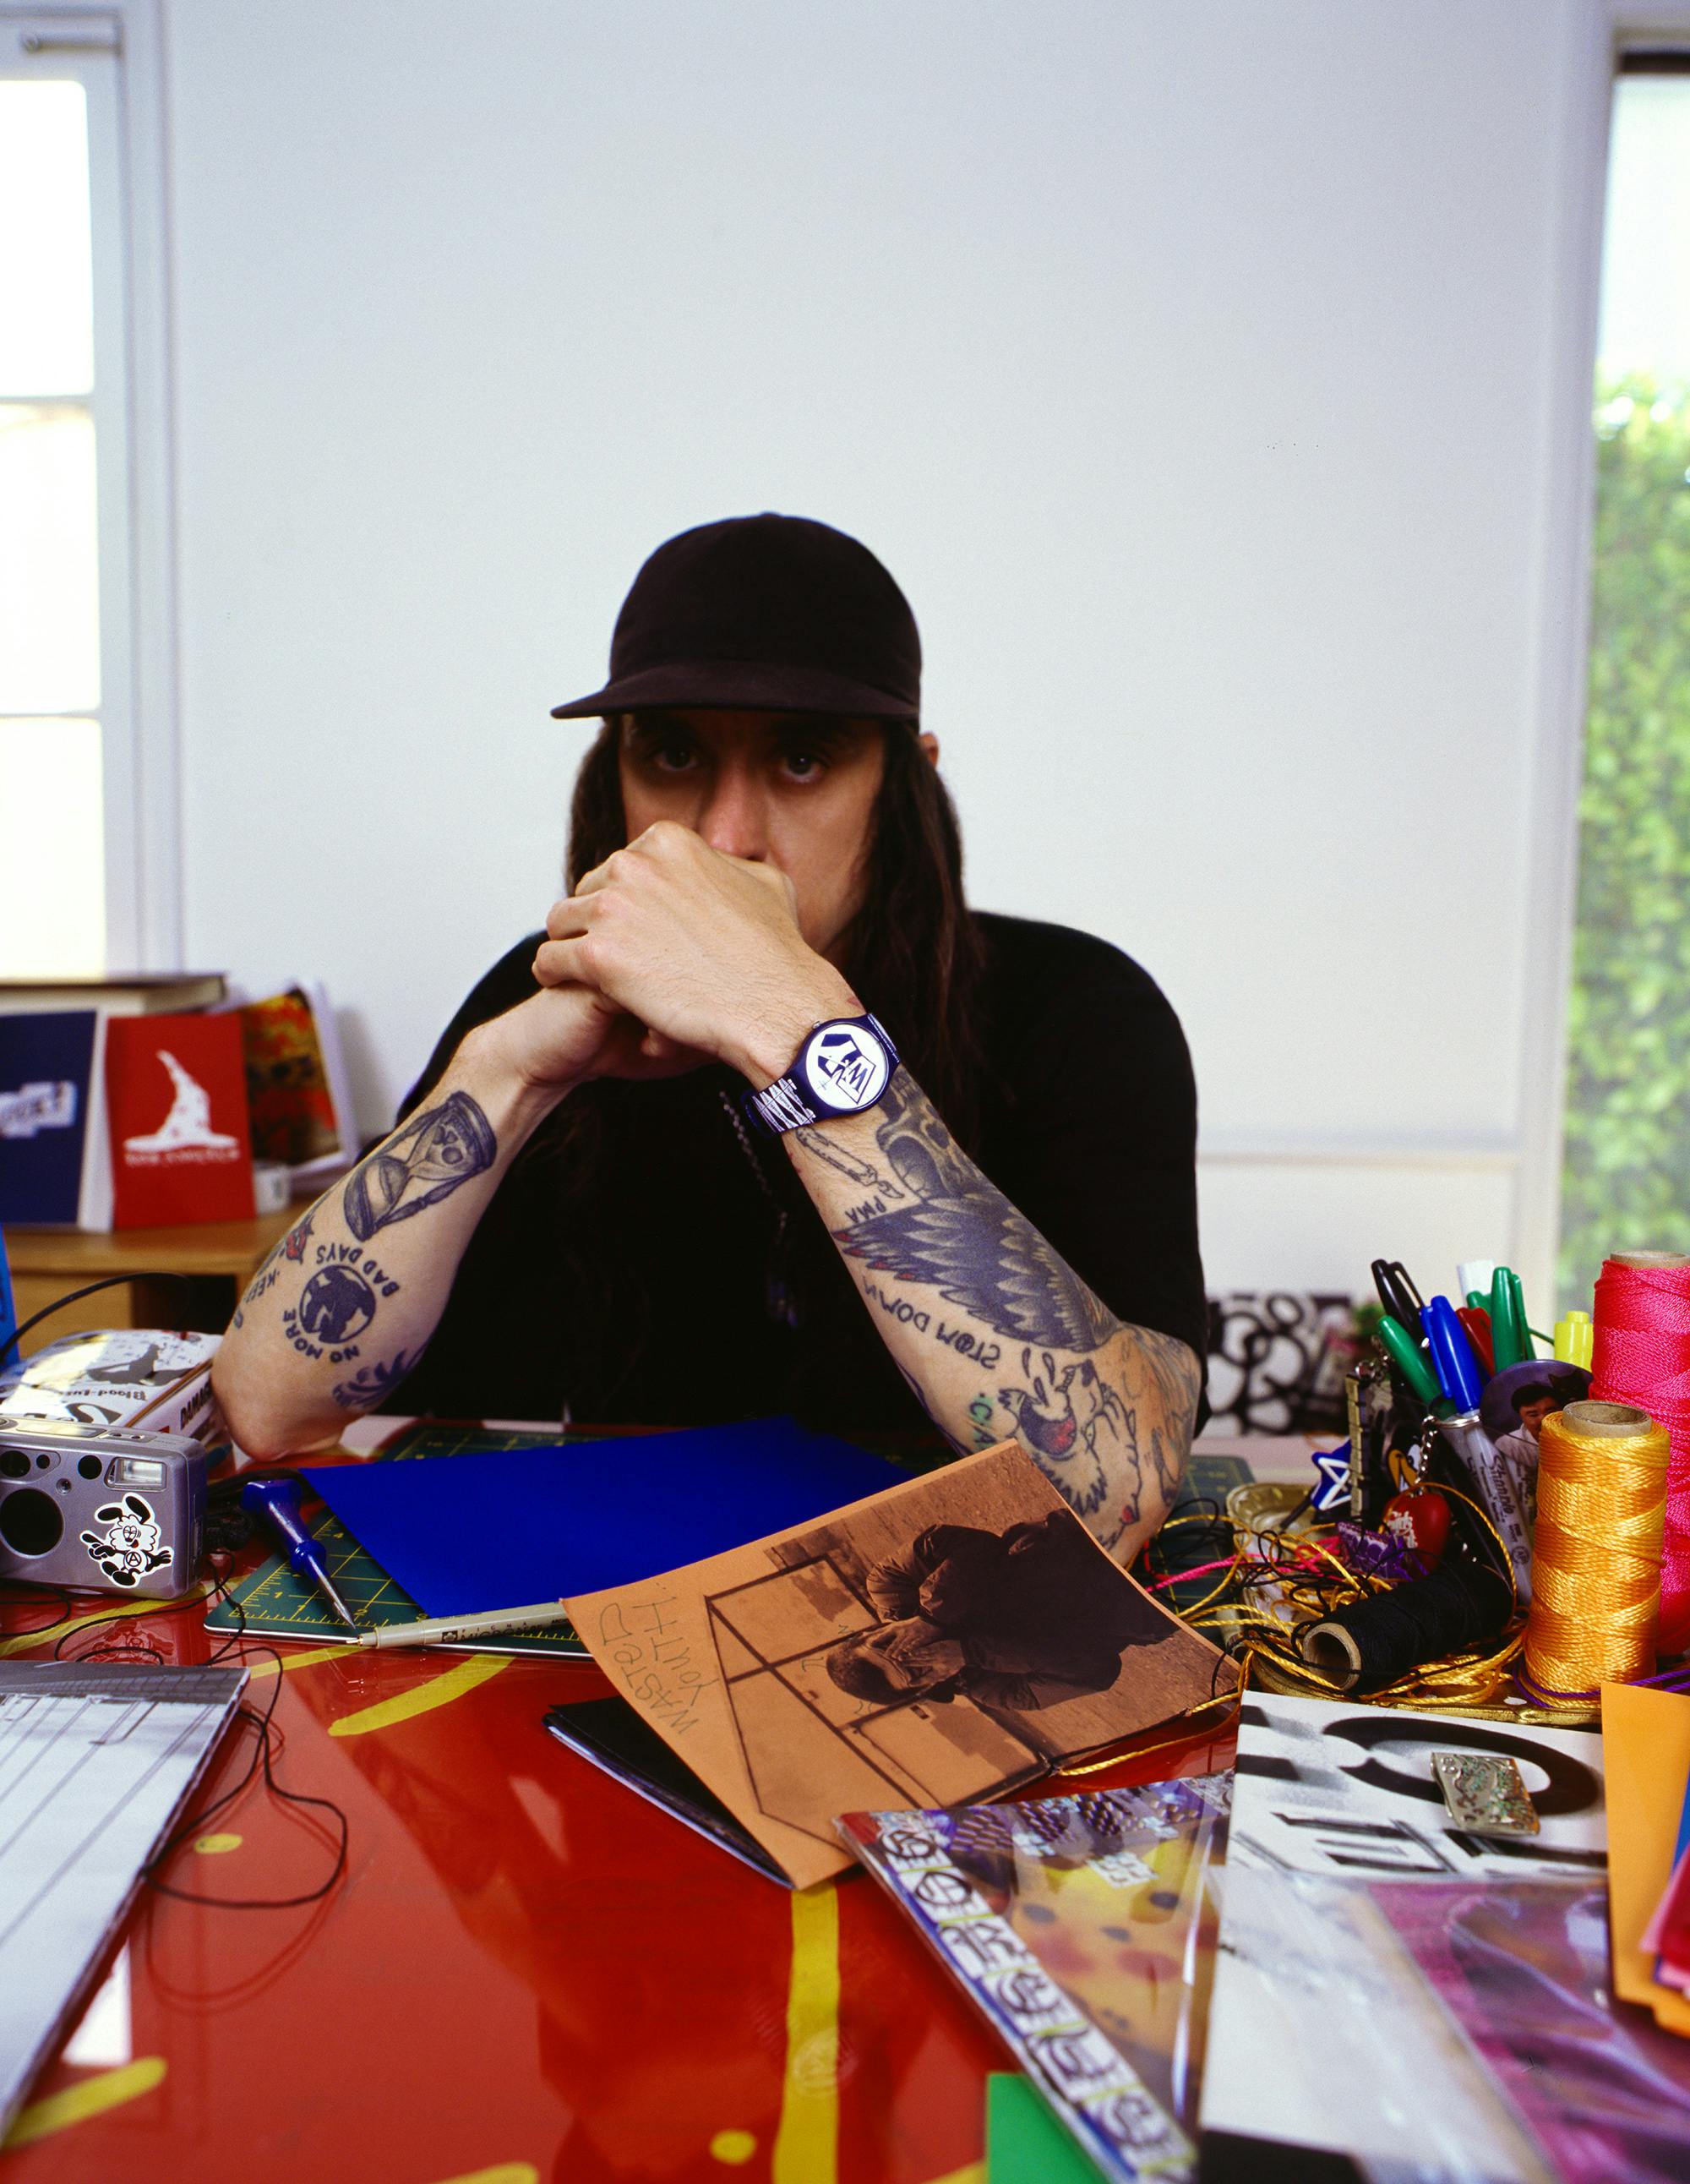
[101,1507]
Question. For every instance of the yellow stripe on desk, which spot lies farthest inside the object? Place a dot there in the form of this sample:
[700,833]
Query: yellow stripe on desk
[422,1698]
[307,1659]
[505,2172]
[971,2172]
[53,1633]
[89,2097]
[807,2145]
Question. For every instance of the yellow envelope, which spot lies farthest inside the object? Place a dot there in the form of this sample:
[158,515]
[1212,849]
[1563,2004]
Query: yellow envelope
[1645,1758]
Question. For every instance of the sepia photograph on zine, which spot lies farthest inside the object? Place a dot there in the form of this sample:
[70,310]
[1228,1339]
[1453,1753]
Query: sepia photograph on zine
[941,1642]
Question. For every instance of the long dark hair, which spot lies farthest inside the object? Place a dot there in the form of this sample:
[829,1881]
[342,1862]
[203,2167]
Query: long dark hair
[912,951]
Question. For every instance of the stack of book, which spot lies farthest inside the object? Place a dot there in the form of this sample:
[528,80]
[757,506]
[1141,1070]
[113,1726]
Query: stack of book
[144,1102]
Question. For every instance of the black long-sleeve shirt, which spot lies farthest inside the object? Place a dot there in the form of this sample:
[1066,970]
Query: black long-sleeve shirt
[700,1286]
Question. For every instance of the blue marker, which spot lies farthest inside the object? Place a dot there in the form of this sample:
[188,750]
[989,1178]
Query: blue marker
[277,1501]
[1458,1369]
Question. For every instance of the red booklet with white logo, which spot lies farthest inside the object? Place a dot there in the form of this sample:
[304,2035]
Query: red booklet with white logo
[176,1098]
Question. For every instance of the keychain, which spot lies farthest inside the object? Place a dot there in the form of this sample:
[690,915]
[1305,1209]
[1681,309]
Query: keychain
[1419,1517]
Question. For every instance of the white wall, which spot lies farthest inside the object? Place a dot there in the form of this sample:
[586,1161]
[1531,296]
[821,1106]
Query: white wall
[1203,371]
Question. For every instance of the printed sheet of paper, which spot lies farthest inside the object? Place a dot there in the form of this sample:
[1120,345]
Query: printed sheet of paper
[1324,2033]
[1523,1967]
[1327,1786]
[95,1765]
[931,1645]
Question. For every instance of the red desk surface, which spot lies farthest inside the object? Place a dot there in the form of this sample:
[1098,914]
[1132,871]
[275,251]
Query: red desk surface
[527,1973]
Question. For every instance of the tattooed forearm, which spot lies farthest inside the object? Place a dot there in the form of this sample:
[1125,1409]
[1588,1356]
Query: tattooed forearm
[419,1164]
[339,1303]
[1110,1428]
[370,1382]
[964,1238]
[946,1263]
[861,1174]
[342,1309]
[290,1248]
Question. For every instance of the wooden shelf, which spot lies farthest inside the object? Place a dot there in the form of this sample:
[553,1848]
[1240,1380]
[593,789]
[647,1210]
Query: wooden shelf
[219,1257]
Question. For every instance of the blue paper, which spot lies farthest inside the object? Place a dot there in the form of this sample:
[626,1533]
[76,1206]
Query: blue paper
[511,1528]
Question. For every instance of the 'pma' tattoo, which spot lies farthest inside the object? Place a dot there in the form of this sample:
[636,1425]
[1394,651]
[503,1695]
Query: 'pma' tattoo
[419,1164]
[965,1238]
[370,1382]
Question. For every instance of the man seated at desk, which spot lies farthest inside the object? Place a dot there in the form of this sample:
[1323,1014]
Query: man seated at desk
[664,1167]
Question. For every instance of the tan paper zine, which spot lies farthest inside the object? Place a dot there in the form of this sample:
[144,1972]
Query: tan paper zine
[1061,1654]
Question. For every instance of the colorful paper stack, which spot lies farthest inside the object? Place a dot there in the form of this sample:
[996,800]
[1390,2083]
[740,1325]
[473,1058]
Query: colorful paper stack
[1646,1756]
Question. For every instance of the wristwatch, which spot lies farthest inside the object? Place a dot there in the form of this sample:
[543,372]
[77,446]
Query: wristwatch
[843,1066]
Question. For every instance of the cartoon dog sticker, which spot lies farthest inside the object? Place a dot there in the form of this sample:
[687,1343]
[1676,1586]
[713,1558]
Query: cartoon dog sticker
[131,1544]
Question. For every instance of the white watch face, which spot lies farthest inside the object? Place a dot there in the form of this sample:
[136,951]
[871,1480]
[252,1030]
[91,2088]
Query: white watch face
[847,1067]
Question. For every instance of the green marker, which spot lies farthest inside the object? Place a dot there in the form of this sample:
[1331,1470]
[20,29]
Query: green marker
[1409,1360]
[1510,1343]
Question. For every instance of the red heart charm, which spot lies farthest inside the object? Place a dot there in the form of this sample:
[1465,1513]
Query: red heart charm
[1421,1519]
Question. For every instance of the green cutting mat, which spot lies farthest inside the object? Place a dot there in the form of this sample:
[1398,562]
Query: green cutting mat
[276,1604]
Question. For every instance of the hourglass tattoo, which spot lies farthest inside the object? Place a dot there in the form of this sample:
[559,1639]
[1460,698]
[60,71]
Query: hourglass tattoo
[421,1163]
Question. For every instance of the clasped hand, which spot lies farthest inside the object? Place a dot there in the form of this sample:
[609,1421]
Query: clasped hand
[669,955]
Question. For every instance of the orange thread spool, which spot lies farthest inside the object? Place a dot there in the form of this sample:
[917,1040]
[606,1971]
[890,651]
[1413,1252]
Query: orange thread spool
[1595,1552]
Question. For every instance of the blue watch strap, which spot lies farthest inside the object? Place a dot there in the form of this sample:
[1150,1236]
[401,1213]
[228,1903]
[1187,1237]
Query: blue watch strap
[843,1068]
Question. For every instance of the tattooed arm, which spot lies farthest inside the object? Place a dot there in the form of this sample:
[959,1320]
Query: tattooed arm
[345,1305]
[993,1330]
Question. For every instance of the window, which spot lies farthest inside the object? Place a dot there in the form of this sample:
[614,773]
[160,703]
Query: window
[1626,1172]
[87,739]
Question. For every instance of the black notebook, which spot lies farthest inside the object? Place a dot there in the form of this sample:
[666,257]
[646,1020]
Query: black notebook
[612,1735]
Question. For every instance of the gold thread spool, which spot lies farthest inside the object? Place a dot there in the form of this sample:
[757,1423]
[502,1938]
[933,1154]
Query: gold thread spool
[1595,1552]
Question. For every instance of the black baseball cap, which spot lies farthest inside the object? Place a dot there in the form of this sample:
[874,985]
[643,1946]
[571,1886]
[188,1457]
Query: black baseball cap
[763,613]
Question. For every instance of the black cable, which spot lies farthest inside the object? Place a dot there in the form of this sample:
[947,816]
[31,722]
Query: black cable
[27,1599]
[267,1742]
[107,1282]
[269,1739]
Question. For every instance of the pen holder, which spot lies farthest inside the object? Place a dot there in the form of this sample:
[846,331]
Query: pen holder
[1380,1421]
